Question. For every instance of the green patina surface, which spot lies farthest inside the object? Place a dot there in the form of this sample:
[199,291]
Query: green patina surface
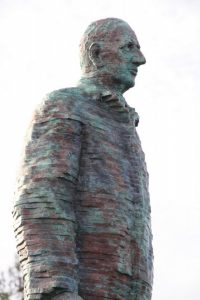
[82,209]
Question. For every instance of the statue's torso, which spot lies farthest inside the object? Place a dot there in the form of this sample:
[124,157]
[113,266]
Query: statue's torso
[111,199]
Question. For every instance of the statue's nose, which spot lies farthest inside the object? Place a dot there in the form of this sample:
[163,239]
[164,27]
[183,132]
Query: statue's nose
[139,58]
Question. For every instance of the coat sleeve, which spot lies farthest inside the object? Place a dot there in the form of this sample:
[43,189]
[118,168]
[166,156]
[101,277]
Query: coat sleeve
[44,217]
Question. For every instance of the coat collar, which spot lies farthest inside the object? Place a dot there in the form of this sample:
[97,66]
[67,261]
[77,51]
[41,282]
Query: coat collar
[115,101]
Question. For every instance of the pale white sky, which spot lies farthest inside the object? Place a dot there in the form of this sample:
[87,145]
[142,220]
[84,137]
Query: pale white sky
[39,53]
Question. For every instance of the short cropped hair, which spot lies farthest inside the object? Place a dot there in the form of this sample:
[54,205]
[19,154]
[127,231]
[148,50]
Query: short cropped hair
[101,31]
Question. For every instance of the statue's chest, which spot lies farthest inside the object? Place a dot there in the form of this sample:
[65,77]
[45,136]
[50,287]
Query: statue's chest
[111,158]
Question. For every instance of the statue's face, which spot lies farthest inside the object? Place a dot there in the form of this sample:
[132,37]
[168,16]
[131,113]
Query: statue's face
[122,57]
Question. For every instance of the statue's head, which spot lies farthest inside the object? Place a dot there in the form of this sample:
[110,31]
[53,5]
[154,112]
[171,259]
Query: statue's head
[109,49]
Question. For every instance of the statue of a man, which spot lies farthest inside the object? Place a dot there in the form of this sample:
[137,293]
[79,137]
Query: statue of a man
[82,211]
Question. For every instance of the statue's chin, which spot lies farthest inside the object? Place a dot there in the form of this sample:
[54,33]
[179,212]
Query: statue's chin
[129,83]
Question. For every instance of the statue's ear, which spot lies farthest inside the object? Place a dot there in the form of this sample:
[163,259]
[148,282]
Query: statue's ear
[95,55]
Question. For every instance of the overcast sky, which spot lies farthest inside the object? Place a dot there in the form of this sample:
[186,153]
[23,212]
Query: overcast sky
[39,53]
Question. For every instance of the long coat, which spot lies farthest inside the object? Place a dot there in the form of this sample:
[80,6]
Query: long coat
[82,211]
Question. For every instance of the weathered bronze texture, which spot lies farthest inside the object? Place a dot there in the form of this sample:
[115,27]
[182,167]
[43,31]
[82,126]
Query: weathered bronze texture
[82,210]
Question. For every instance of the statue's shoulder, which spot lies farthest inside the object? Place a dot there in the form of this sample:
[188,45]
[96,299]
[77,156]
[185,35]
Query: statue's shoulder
[62,103]
[75,94]
[65,94]
[65,98]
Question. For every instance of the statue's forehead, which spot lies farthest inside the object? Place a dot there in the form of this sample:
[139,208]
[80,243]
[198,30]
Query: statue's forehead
[120,33]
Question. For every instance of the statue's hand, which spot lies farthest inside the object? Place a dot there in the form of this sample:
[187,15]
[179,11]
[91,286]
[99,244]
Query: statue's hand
[67,296]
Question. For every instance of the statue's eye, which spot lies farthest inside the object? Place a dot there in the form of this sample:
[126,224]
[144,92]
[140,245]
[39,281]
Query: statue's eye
[130,45]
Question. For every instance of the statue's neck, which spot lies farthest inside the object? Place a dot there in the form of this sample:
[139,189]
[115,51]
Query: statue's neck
[105,81]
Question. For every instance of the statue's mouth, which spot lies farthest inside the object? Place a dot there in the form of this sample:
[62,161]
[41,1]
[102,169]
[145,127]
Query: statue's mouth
[134,72]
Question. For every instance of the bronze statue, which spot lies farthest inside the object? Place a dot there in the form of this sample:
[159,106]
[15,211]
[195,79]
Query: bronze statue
[82,210]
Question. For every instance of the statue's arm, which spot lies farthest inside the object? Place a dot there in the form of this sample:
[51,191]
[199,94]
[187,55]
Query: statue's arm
[45,221]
